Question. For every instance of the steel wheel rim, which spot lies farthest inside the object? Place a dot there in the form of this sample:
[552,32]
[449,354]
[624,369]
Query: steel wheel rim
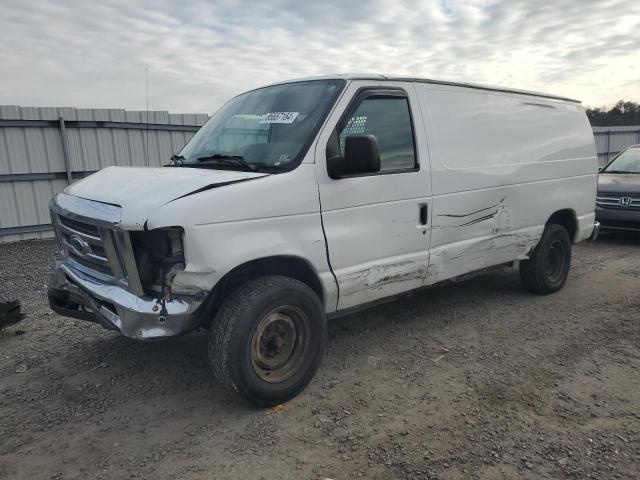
[555,261]
[279,343]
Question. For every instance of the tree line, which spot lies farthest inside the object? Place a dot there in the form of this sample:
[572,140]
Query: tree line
[622,113]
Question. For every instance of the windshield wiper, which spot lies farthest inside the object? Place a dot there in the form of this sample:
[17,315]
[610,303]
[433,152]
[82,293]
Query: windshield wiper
[228,159]
[618,171]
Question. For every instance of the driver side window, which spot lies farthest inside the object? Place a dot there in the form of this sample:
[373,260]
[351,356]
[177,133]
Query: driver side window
[388,118]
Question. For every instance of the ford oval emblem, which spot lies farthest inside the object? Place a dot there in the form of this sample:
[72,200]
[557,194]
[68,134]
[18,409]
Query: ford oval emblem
[79,245]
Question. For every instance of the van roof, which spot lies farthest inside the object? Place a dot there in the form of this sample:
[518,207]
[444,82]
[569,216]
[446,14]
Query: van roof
[404,78]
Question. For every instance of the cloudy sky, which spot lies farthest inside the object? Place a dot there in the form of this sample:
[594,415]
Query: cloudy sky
[199,53]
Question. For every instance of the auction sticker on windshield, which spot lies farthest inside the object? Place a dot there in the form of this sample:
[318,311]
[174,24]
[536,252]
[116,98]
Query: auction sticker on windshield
[279,117]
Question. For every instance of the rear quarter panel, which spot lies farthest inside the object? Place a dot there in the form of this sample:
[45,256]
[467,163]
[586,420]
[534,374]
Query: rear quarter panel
[502,164]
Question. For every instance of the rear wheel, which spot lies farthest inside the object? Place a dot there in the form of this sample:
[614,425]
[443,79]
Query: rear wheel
[268,339]
[547,269]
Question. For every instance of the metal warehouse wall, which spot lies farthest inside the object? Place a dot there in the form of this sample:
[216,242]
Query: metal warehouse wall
[43,149]
[612,140]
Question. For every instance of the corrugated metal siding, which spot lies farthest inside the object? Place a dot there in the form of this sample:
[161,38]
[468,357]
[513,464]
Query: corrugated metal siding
[612,140]
[39,149]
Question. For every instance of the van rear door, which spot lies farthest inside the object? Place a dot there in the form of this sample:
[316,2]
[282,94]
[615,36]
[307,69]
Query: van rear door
[377,225]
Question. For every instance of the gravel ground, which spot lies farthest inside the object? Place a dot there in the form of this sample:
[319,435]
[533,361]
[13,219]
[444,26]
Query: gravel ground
[476,380]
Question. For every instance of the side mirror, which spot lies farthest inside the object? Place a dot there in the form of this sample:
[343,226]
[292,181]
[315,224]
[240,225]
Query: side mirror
[361,156]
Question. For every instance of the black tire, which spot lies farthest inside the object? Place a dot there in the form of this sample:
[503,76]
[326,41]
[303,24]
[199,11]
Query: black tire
[547,269]
[253,332]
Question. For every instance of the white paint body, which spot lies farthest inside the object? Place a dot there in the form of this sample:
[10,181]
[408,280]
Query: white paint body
[493,167]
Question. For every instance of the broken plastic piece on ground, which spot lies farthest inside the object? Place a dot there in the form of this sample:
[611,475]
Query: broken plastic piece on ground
[277,409]
[10,313]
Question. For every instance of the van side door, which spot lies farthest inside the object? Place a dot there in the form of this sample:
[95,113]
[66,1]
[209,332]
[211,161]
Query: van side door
[377,225]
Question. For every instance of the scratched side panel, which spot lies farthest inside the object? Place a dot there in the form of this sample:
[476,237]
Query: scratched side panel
[482,228]
[376,242]
[476,230]
[521,159]
[379,250]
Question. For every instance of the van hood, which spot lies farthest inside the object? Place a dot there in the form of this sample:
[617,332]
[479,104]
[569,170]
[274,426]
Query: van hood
[140,191]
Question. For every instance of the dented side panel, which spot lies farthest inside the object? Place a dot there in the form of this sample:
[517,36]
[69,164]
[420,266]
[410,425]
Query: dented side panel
[374,280]
[377,245]
[278,215]
[504,224]
[521,161]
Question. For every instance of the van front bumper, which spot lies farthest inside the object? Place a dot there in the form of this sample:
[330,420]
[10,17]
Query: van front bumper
[73,293]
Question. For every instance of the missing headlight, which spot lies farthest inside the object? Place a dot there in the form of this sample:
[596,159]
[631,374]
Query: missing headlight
[160,256]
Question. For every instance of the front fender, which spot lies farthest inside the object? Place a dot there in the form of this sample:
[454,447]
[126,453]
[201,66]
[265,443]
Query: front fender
[214,250]
[225,227]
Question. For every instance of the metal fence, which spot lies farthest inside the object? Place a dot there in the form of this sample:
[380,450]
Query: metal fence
[42,150]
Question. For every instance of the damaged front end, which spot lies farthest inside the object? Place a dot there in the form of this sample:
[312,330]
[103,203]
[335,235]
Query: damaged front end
[118,278]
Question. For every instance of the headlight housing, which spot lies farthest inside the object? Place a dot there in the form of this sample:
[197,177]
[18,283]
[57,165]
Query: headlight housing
[159,257]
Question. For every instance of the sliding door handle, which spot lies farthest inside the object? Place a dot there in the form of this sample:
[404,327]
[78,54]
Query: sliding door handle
[424,214]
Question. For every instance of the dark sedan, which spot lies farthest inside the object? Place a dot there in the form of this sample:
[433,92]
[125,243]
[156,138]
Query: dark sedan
[618,200]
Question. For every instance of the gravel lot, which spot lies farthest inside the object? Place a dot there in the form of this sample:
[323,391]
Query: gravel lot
[476,380]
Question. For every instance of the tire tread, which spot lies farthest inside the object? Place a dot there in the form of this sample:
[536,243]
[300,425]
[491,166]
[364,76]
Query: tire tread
[532,270]
[230,313]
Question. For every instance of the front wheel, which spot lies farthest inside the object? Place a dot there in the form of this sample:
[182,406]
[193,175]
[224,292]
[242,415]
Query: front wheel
[268,339]
[547,269]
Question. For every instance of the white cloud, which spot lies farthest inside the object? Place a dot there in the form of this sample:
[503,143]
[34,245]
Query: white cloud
[93,54]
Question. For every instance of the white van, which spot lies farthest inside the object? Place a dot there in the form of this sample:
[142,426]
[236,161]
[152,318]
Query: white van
[313,198]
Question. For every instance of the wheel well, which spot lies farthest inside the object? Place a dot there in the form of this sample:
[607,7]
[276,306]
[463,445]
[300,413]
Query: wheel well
[567,218]
[287,266]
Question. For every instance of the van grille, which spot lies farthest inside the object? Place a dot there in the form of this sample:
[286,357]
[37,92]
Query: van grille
[623,201]
[83,242]
[93,242]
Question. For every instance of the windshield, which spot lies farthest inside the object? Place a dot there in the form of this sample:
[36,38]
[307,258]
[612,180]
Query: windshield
[269,128]
[627,162]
